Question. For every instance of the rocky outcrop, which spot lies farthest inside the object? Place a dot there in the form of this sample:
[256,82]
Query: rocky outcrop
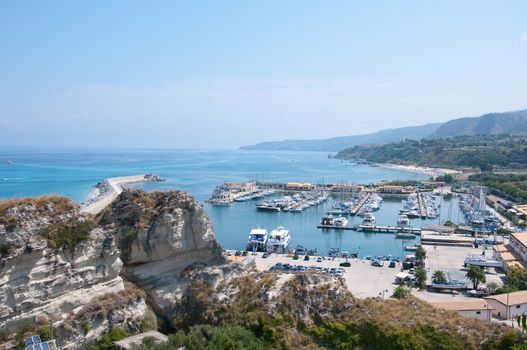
[39,281]
[58,263]
[161,234]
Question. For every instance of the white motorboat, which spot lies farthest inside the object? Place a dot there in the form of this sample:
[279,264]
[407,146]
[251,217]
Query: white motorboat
[257,240]
[278,240]
[403,221]
[341,221]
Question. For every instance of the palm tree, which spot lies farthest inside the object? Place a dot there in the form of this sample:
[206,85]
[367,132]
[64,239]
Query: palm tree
[476,275]
[439,277]
[420,254]
[420,276]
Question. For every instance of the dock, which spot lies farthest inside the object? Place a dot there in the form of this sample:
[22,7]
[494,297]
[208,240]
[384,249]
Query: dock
[447,240]
[360,203]
[422,206]
[375,229]
[333,227]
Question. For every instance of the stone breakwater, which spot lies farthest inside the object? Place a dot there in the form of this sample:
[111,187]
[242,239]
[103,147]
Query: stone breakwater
[107,190]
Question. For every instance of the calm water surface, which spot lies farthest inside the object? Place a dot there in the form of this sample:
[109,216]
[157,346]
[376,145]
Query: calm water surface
[73,174]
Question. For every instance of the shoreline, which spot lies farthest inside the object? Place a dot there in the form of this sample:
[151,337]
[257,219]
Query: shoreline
[107,190]
[435,172]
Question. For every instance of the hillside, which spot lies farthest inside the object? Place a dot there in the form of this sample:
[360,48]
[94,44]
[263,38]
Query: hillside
[336,144]
[487,124]
[484,152]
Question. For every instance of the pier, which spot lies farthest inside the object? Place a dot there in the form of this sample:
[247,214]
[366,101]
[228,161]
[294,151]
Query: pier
[422,205]
[375,229]
[360,203]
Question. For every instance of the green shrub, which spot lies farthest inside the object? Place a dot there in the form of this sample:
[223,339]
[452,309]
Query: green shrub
[106,342]
[68,236]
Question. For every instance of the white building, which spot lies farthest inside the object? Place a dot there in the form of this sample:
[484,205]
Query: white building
[518,243]
[477,308]
[508,305]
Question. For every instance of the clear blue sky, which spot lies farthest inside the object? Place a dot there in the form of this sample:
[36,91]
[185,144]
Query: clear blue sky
[213,74]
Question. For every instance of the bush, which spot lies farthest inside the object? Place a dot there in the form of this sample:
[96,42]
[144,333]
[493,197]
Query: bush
[401,292]
[106,342]
[65,236]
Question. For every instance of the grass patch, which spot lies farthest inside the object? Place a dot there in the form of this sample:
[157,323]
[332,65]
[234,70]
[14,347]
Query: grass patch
[68,236]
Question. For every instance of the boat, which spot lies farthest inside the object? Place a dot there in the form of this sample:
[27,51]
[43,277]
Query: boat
[257,240]
[452,285]
[411,248]
[405,235]
[403,221]
[340,221]
[368,222]
[268,206]
[483,261]
[278,240]
[327,220]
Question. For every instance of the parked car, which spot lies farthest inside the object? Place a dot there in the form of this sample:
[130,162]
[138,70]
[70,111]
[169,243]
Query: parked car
[319,259]
[295,257]
[265,255]
[379,263]
[345,264]
[392,264]
[339,274]
[306,258]
[238,253]
[244,253]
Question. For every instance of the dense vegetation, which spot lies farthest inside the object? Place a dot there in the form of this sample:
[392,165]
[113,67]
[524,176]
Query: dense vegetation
[484,152]
[511,186]
[320,317]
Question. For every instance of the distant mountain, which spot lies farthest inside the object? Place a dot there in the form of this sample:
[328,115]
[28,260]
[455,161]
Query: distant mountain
[487,124]
[336,144]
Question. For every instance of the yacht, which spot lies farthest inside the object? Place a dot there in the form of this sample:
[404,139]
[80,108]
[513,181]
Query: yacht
[341,221]
[257,240]
[403,221]
[327,220]
[278,240]
[368,222]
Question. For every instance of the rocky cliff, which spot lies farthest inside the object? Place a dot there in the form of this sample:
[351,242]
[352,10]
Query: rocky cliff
[61,266]
[161,234]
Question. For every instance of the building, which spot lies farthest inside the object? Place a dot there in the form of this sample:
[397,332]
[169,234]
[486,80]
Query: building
[395,190]
[346,188]
[508,305]
[514,253]
[518,243]
[128,343]
[521,211]
[296,186]
[478,308]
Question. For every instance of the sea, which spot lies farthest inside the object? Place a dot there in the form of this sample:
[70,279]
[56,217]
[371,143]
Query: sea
[73,173]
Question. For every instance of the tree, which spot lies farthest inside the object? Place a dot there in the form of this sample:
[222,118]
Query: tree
[420,254]
[517,277]
[420,276]
[401,292]
[476,275]
[439,277]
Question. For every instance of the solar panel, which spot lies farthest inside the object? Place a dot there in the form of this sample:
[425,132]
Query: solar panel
[29,347]
[36,339]
[37,346]
[29,341]
[45,346]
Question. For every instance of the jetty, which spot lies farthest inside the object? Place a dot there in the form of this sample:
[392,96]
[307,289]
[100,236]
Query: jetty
[375,229]
[108,190]
[360,203]
[422,206]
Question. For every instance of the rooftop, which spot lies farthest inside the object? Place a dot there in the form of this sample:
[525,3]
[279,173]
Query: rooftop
[476,304]
[515,298]
[521,237]
[137,339]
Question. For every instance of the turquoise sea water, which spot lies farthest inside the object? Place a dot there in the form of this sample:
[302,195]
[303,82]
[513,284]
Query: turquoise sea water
[74,173]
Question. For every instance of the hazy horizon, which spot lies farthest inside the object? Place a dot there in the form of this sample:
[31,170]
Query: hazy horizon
[174,74]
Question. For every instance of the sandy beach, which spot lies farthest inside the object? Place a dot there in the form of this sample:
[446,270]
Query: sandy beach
[107,190]
[434,172]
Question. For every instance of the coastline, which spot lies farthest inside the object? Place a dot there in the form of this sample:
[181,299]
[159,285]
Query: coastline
[434,172]
[108,190]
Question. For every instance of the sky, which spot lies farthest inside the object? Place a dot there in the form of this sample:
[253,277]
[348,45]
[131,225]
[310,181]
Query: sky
[223,74]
